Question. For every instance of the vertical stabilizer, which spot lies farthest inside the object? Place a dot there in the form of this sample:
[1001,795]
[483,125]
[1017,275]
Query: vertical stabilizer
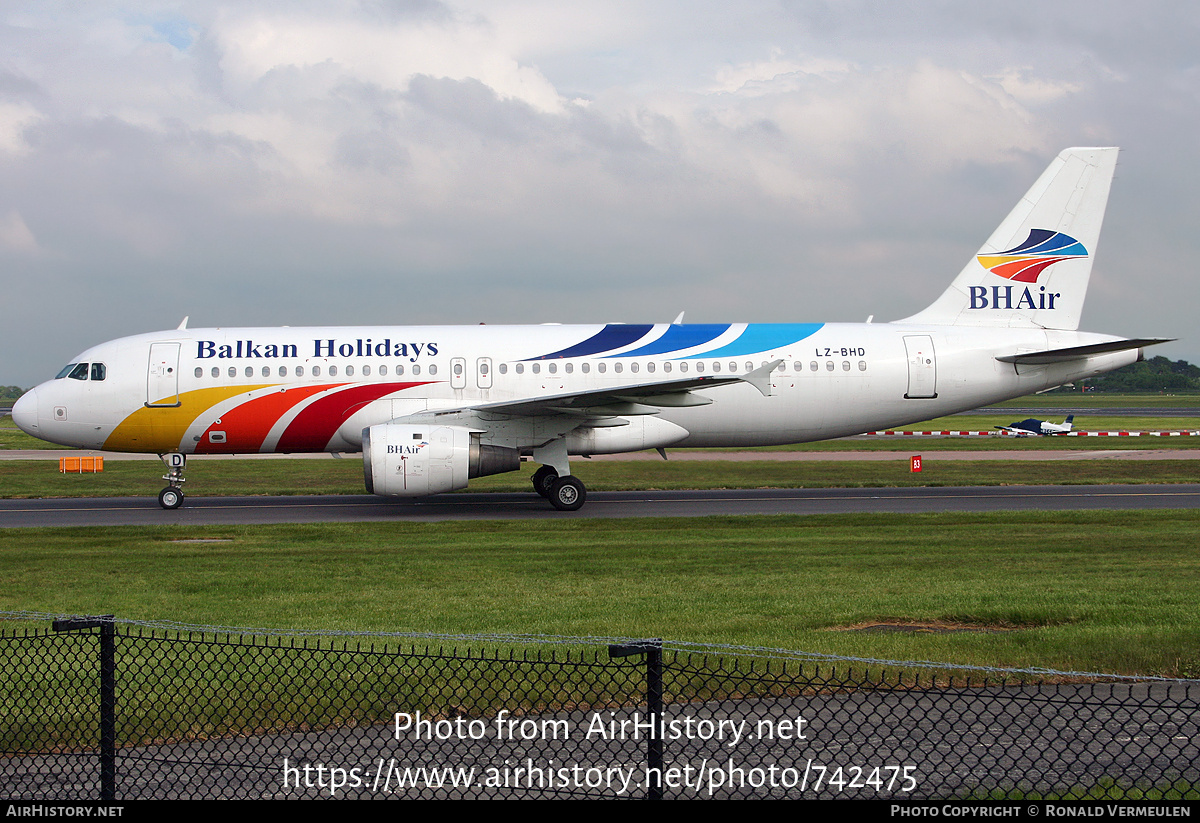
[1033,271]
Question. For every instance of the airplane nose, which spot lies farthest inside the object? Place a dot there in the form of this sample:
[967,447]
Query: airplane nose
[25,412]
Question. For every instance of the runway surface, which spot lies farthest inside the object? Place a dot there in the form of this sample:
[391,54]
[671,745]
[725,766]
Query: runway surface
[197,511]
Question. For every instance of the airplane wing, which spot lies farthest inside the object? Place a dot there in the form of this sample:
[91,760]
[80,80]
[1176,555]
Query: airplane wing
[1023,428]
[618,401]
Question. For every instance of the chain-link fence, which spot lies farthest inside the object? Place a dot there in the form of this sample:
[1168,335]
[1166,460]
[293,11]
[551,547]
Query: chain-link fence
[106,710]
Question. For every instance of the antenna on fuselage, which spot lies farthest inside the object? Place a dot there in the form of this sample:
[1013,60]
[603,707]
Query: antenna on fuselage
[183,324]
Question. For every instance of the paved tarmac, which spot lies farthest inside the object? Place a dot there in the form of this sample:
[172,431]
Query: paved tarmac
[197,511]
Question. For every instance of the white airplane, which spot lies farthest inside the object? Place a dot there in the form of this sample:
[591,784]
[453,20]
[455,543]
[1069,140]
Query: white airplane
[431,406]
[1032,425]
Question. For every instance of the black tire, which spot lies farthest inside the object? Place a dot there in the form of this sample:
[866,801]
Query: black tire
[170,498]
[543,481]
[568,493]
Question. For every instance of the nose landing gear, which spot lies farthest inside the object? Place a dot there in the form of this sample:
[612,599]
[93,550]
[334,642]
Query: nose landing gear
[172,496]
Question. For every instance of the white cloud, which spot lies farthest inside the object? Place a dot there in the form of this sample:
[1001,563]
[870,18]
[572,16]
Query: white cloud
[254,45]
[15,120]
[1028,89]
[15,235]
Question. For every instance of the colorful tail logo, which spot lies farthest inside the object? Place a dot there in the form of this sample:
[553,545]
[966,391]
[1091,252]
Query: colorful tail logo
[1024,263]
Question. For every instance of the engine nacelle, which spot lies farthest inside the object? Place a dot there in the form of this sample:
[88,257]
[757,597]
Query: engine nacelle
[405,460]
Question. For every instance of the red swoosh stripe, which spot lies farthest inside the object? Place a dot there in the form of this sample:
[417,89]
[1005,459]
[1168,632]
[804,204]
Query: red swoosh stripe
[315,426]
[247,425]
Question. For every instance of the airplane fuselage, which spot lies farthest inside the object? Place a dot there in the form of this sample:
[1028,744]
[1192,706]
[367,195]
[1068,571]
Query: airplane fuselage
[295,390]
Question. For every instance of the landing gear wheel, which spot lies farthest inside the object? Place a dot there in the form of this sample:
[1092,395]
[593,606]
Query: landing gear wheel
[543,480]
[567,493]
[170,497]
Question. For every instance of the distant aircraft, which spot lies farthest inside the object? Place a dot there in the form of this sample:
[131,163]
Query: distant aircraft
[1034,426]
[431,406]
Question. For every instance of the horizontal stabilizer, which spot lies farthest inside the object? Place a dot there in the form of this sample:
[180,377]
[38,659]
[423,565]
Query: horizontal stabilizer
[1043,358]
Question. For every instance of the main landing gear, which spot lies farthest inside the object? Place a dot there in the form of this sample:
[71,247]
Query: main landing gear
[172,496]
[566,494]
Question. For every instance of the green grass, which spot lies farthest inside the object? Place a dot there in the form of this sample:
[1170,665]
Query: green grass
[41,479]
[1101,400]
[1099,591]
[13,438]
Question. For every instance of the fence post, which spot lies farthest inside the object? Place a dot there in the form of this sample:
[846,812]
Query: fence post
[654,708]
[108,695]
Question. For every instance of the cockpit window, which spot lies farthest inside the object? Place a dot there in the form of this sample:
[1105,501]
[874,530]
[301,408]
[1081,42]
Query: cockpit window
[98,371]
[80,372]
[65,371]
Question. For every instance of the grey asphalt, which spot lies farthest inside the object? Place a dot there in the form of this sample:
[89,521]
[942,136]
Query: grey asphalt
[198,511]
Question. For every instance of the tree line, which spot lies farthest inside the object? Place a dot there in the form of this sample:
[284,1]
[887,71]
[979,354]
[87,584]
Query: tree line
[1158,374]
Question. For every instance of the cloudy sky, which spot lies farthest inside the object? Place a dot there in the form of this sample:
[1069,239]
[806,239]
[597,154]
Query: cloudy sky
[394,162]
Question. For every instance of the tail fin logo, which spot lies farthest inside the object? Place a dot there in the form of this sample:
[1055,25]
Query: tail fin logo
[1025,263]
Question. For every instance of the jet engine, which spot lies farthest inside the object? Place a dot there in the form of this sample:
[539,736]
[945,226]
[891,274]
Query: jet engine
[406,460]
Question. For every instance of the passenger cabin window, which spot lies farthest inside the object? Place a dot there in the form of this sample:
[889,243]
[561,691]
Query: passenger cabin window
[216,372]
[383,371]
[504,368]
[349,371]
[316,371]
[199,372]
